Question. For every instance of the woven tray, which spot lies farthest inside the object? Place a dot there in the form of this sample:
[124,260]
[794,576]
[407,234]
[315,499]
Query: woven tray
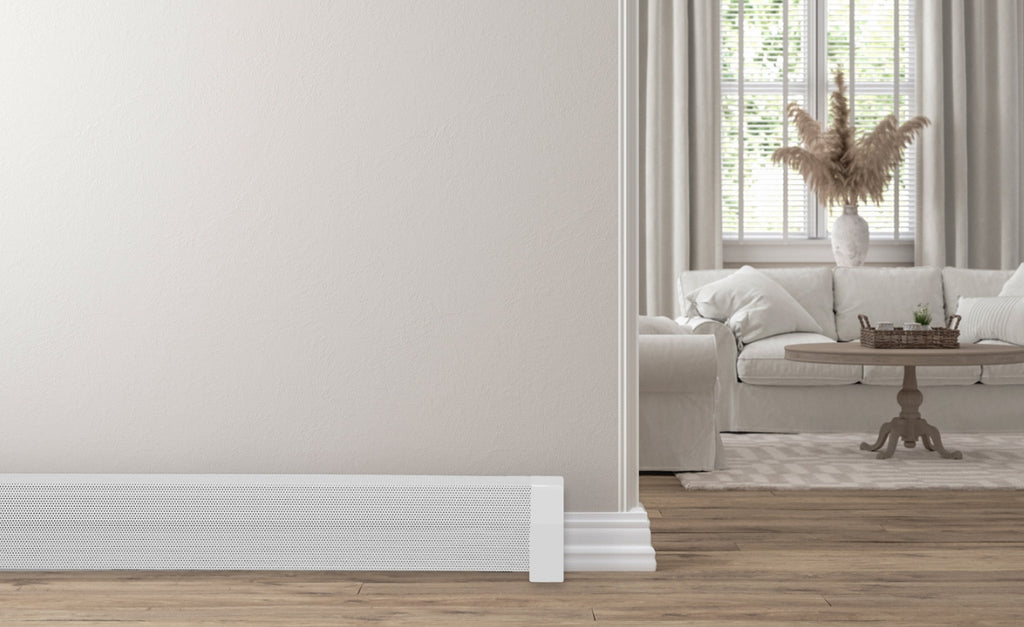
[939,337]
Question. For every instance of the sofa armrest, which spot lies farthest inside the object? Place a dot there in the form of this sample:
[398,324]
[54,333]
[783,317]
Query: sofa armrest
[678,422]
[727,351]
[677,363]
[661,325]
[725,339]
[707,326]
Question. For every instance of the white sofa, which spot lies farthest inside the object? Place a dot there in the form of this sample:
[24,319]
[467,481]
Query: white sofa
[677,372]
[759,390]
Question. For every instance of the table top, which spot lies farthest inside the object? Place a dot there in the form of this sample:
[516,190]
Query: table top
[854,353]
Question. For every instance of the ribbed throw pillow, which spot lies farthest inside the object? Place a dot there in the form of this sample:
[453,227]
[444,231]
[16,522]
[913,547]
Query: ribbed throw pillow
[992,318]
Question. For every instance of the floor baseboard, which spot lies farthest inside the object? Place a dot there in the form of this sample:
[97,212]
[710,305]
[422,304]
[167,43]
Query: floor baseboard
[609,541]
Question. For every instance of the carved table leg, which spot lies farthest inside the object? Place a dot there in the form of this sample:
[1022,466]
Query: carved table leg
[909,425]
[883,433]
[891,432]
[931,433]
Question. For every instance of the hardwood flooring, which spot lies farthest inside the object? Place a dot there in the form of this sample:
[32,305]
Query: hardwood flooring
[727,558]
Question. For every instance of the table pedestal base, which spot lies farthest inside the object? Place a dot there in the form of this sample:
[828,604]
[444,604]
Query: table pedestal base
[909,430]
[909,426]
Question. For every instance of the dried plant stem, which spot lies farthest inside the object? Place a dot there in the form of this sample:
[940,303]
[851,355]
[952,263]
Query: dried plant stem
[840,165]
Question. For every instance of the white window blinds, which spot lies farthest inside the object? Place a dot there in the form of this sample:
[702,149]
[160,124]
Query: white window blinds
[780,51]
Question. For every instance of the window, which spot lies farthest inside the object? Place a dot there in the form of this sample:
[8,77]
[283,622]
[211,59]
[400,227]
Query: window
[780,51]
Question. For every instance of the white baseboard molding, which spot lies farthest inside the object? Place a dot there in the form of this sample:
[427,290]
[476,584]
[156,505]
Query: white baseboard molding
[609,541]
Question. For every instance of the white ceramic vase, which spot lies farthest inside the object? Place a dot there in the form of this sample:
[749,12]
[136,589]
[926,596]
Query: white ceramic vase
[850,238]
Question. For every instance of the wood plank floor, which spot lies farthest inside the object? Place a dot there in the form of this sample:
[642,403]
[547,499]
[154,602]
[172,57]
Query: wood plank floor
[929,557]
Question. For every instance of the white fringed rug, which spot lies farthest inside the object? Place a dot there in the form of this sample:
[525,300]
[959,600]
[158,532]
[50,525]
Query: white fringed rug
[761,461]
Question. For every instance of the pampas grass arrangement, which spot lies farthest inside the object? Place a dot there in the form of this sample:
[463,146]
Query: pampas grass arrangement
[841,166]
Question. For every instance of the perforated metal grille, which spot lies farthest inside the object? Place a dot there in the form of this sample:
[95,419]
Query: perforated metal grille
[248,524]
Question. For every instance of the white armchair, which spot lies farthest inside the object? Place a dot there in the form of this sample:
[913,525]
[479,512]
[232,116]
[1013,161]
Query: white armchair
[678,379]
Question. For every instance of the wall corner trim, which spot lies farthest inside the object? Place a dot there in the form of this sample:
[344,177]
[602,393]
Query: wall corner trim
[629,257]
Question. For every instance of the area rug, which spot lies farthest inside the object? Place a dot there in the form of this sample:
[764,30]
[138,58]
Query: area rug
[759,461]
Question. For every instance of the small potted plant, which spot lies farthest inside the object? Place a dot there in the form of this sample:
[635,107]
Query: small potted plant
[923,316]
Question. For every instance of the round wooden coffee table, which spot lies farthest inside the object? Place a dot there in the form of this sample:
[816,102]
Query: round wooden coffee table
[908,425]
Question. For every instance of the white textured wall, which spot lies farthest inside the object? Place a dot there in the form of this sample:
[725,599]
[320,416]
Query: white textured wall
[339,237]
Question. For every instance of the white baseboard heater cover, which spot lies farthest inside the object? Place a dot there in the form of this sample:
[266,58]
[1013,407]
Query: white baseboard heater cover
[282,522]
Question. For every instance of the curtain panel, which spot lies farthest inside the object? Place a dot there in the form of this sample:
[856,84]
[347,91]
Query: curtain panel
[971,165]
[680,198]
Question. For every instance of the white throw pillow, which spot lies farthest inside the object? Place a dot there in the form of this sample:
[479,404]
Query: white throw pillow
[753,305]
[992,318]
[1015,285]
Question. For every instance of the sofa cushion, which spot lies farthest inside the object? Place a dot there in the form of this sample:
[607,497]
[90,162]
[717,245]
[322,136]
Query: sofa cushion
[1002,374]
[810,286]
[926,375]
[992,318]
[690,281]
[957,282]
[1014,285]
[884,294]
[764,363]
[752,305]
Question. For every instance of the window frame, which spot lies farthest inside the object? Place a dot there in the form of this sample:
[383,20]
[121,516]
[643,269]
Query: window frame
[816,247]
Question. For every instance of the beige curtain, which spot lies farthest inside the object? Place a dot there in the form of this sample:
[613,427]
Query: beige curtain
[680,205]
[970,190]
